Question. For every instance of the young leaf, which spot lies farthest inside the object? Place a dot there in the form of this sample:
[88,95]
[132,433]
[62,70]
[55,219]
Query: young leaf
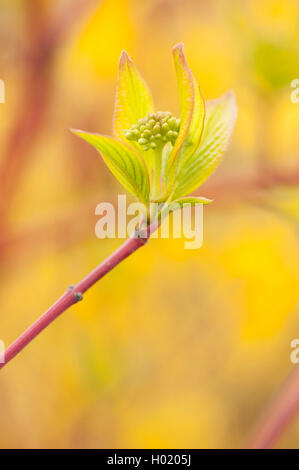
[133,98]
[218,127]
[179,204]
[192,112]
[123,161]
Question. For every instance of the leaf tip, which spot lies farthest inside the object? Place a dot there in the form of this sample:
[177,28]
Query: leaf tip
[179,54]
[75,131]
[230,97]
[178,48]
[124,59]
[82,134]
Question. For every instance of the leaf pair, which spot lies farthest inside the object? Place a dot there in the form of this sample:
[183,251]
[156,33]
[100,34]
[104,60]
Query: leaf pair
[201,140]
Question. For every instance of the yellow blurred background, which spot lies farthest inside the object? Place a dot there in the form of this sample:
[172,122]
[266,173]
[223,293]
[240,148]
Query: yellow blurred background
[175,348]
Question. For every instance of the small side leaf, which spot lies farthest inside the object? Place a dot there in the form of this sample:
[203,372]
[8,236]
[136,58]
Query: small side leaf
[218,127]
[179,204]
[133,98]
[124,162]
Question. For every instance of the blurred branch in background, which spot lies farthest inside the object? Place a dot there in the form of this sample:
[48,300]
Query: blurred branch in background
[225,191]
[44,37]
[244,186]
[280,412]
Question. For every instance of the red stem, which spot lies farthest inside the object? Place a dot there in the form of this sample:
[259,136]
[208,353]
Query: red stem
[74,293]
[281,410]
[279,414]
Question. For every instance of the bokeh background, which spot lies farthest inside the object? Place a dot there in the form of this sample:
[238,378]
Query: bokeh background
[175,348]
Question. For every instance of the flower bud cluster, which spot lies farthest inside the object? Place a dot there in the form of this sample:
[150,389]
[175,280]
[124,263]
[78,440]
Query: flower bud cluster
[155,130]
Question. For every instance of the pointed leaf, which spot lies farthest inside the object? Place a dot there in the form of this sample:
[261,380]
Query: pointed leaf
[219,124]
[123,161]
[133,98]
[191,200]
[192,112]
[179,204]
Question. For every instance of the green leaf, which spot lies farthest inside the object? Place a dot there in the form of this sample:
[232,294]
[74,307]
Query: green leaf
[218,127]
[179,204]
[191,200]
[124,162]
[192,112]
[133,98]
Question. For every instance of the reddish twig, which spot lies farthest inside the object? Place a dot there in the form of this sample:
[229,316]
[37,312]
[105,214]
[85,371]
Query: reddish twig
[279,414]
[75,293]
[237,187]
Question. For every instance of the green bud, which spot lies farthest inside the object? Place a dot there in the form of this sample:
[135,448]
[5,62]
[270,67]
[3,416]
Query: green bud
[129,135]
[154,130]
[147,133]
[172,123]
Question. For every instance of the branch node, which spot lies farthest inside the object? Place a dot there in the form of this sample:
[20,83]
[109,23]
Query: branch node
[141,235]
[77,295]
